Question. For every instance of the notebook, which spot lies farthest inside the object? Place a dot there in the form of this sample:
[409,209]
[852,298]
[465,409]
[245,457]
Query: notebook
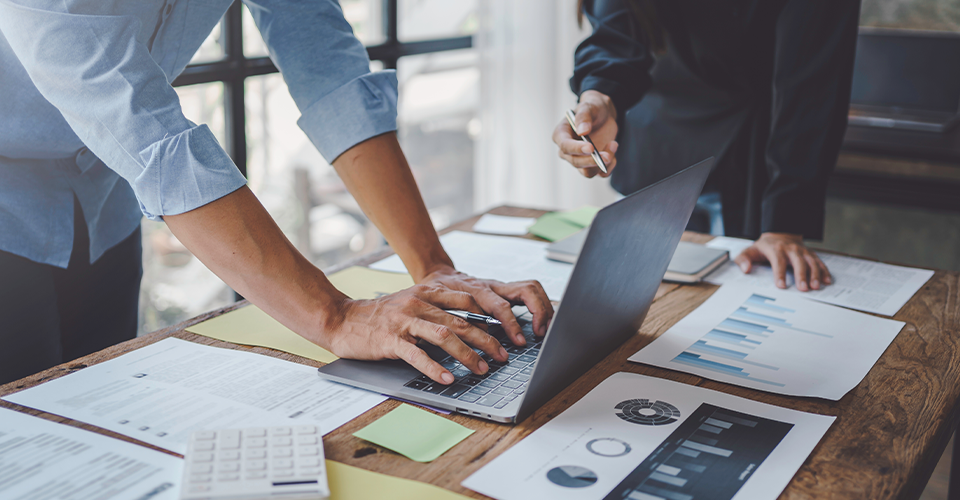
[690,263]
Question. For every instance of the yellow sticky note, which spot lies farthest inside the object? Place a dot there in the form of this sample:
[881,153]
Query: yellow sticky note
[351,483]
[414,433]
[251,326]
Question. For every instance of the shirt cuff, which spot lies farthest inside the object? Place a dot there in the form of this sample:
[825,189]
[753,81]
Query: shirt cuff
[362,108]
[184,172]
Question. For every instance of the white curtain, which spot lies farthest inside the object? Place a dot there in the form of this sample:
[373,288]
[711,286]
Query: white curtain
[526,59]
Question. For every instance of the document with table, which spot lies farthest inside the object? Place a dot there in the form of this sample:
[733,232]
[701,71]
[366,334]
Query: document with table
[857,283]
[40,459]
[163,392]
[643,438]
[773,341]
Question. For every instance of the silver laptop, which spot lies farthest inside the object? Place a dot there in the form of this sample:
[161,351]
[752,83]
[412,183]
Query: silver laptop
[614,281]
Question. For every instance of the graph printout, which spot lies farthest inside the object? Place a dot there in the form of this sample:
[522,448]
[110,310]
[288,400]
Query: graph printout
[642,438]
[773,341]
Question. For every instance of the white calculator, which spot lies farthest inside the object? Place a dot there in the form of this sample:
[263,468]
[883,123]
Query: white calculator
[280,463]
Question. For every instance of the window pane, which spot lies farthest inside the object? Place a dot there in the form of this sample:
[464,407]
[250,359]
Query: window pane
[212,48]
[438,123]
[939,15]
[175,285]
[253,45]
[366,18]
[296,185]
[425,19]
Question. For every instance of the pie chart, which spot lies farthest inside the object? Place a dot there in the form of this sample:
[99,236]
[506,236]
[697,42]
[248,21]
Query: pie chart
[571,476]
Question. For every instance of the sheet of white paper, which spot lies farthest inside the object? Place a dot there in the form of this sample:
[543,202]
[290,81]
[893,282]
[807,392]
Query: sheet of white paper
[501,258]
[501,224]
[40,459]
[773,341]
[163,392]
[707,444]
[857,284]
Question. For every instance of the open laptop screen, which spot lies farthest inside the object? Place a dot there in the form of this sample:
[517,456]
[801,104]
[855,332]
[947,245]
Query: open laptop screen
[913,70]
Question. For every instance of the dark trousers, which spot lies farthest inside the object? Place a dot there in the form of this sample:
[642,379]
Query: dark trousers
[50,315]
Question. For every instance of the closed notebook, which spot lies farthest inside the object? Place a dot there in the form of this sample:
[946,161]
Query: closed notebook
[690,263]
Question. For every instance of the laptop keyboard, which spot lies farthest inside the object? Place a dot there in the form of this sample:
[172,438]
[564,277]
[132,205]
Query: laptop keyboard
[503,383]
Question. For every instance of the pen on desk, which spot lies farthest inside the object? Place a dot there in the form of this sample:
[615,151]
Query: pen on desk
[469,316]
[596,152]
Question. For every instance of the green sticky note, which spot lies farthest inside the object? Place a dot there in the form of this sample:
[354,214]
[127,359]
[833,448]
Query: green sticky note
[582,216]
[552,227]
[414,433]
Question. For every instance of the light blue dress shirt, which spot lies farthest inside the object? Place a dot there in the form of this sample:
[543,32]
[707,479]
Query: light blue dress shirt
[87,110]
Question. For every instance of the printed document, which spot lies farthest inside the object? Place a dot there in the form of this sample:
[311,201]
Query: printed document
[501,224]
[773,341]
[163,392]
[857,284]
[502,258]
[44,460]
[643,438]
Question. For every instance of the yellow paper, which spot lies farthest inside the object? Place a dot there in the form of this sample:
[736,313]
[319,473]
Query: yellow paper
[251,326]
[352,483]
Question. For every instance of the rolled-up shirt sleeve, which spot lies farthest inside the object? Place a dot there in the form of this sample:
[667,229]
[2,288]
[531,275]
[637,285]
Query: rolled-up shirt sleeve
[97,72]
[327,71]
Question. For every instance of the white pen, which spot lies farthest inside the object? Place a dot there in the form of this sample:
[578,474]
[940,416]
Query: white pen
[596,153]
[469,316]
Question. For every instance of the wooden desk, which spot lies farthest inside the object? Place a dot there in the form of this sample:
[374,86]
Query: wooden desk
[890,432]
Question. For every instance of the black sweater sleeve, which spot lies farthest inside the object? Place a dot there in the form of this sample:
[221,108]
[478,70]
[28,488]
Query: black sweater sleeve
[612,60]
[813,68]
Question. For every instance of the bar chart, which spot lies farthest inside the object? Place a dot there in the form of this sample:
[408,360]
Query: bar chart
[775,342]
[711,455]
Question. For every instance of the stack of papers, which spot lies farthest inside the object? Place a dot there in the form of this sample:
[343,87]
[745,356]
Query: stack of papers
[559,225]
[636,437]
[161,393]
[773,341]
[503,225]
[857,283]
[501,258]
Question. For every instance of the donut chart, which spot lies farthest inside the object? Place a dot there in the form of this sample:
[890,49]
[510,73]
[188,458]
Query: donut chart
[608,447]
[645,412]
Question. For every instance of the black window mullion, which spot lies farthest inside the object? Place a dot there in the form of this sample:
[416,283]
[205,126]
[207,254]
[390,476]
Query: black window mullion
[233,83]
[392,42]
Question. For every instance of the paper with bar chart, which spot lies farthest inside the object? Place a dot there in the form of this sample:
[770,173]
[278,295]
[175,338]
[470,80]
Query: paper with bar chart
[773,341]
[643,438]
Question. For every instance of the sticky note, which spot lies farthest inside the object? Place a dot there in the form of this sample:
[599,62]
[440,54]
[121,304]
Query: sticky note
[582,216]
[551,227]
[351,483]
[414,433]
[502,224]
[251,326]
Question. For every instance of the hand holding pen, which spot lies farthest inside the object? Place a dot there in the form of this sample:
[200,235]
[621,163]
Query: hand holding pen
[587,138]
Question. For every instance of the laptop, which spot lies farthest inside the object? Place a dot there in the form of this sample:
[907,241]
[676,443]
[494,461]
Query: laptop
[908,80]
[623,260]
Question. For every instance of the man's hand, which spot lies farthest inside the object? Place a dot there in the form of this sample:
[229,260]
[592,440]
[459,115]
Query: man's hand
[495,298]
[596,116]
[390,327]
[783,250]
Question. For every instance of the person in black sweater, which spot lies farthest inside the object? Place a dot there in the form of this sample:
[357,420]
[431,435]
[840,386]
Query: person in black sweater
[763,85]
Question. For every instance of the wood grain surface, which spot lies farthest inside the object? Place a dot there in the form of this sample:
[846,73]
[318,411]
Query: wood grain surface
[885,443]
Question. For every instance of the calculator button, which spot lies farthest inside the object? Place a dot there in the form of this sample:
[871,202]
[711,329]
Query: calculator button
[257,454]
[203,446]
[306,429]
[283,473]
[256,465]
[230,455]
[255,475]
[256,443]
[200,478]
[233,467]
[282,453]
[280,431]
[203,457]
[308,451]
[205,435]
[199,488]
[255,433]
[278,442]
[201,469]
[223,478]
[282,464]
[307,440]
[309,462]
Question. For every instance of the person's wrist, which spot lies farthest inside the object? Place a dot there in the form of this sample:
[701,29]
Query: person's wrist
[792,237]
[598,98]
